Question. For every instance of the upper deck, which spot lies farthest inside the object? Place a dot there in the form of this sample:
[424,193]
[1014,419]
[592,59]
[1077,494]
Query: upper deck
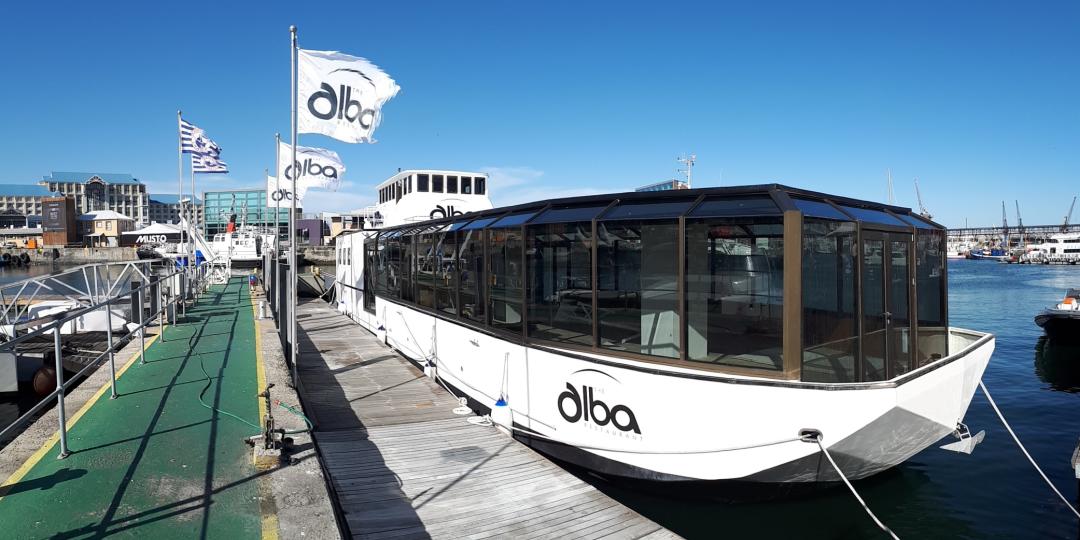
[422,194]
[764,281]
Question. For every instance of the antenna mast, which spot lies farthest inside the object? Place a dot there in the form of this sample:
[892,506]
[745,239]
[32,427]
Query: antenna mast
[922,208]
[689,170]
[892,197]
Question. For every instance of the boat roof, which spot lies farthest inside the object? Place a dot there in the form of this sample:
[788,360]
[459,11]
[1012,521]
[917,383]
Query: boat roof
[784,198]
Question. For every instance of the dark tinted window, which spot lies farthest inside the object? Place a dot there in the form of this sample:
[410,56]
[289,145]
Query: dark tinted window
[636,287]
[744,206]
[437,183]
[466,185]
[565,214]
[916,221]
[819,209]
[505,278]
[408,279]
[734,292]
[425,269]
[422,182]
[648,210]
[513,219]
[481,185]
[445,274]
[828,291]
[933,336]
[451,184]
[457,225]
[470,249]
[560,282]
[480,223]
[873,216]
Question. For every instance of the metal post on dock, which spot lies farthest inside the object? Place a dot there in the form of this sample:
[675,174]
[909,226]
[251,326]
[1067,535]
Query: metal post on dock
[142,329]
[108,337]
[60,393]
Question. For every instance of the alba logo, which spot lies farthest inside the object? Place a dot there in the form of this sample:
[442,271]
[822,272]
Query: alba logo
[281,195]
[441,212]
[310,168]
[339,105]
[584,406]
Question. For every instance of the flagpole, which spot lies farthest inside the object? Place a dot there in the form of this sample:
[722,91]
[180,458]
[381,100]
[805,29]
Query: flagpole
[292,221]
[266,212]
[277,188]
[180,172]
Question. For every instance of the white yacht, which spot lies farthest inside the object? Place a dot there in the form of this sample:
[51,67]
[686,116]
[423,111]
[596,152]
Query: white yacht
[242,247]
[1060,249]
[958,250]
[692,335]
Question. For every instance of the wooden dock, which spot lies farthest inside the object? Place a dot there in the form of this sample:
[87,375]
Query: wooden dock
[404,466]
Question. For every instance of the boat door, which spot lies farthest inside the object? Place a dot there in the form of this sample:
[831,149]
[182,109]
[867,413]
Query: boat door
[886,323]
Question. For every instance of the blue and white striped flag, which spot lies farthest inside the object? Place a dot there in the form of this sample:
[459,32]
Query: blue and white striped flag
[193,140]
[208,163]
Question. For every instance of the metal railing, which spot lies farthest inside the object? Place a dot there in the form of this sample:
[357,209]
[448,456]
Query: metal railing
[166,294]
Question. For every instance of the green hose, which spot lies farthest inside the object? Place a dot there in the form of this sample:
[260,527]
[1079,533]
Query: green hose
[293,410]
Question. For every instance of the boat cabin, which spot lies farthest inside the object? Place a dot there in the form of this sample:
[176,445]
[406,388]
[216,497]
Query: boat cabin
[761,281]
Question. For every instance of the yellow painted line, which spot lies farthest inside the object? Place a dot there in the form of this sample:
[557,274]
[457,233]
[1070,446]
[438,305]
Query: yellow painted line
[269,521]
[55,437]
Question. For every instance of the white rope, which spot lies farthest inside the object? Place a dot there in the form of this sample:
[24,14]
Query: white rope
[853,492]
[1024,450]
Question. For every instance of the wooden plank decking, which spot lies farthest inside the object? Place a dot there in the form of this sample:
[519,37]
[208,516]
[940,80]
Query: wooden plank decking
[404,466]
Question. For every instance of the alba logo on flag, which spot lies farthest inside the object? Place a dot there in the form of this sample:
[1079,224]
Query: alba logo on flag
[310,168]
[344,108]
[340,96]
[318,167]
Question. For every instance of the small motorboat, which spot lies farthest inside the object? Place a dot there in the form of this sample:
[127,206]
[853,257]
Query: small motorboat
[1063,317]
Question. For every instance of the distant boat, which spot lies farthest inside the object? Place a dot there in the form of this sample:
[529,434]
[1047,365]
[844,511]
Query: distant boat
[989,254]
[958,250]
[1063,318]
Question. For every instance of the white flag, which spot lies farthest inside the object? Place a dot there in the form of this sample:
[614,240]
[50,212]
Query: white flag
[318,167]
[340,96]
[280,193]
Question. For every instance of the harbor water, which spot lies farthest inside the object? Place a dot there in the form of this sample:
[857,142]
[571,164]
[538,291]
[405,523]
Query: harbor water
[992,493]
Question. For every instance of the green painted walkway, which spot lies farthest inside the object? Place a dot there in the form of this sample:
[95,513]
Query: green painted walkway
[155,463]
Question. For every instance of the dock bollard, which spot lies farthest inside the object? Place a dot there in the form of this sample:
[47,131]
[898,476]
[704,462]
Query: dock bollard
[60,394]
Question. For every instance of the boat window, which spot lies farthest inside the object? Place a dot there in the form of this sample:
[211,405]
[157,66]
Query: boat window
[513,219]
[569,213]
[370,273]
[480,223]
[505,278]
[466,185]
[636,286]
[933,325]
[734,291]
[424,271]
[470,250]
[560,281]
[648,210]
[742,206]
[437,183]
[481,185]
[830,336]
[873,216]
[408,279]
[451,184]
[457,225]
[422,183]
[445,274]
[819,209]
[917,222]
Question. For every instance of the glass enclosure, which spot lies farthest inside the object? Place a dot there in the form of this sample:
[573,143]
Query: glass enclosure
[695,277]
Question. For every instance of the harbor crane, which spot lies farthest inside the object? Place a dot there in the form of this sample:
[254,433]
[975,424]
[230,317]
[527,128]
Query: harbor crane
[922,208]
[1065,225]
[1004,227]
[1019,222]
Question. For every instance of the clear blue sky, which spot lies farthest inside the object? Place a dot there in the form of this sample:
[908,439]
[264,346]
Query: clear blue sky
[977,99]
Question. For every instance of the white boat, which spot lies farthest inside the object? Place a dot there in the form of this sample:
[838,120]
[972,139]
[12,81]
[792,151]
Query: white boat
[243,247]
[958,250]
[694,335]
[1060,249]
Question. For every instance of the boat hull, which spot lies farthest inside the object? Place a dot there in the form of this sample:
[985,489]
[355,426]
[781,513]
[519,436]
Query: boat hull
[665,423]
[1059,322]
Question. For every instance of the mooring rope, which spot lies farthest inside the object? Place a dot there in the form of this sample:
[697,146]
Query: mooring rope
[1024,450]
[850,487]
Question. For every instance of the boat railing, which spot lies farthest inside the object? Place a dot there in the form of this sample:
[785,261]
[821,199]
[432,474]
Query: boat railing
[156,298]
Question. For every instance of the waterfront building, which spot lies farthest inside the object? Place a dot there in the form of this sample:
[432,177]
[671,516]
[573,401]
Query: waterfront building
[165,208]
[346,222]
[93,192]
[666,185]
[244,206]
[18,201]
[103,228]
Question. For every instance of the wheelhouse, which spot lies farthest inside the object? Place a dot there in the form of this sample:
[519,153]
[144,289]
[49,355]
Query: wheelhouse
[762,281]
